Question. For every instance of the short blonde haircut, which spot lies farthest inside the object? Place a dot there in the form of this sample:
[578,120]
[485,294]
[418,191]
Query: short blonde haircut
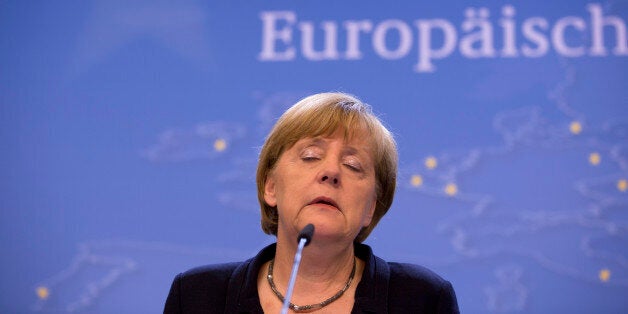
[322,115]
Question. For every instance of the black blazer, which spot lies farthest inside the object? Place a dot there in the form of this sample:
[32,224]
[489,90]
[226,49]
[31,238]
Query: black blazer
[384,288]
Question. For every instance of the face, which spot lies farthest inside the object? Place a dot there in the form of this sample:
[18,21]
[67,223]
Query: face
[326,181]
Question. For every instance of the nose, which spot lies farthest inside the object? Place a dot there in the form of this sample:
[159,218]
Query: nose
[330,174]
[333,180]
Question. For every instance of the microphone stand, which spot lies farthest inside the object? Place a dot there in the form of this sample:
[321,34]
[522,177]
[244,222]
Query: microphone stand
[304,238]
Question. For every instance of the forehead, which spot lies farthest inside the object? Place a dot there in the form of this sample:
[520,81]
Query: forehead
[352,142]
[350,133]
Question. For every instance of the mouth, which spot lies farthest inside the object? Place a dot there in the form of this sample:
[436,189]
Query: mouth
[324,201]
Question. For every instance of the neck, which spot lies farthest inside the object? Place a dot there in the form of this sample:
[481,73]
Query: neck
[325,267]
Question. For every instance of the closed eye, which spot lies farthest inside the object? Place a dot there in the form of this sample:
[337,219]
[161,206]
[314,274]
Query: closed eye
[310,153]
[352,167]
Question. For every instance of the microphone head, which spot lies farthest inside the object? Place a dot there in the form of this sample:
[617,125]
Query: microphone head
[306,233]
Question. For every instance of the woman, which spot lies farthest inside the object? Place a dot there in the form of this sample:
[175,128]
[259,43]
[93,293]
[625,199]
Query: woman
[330,162]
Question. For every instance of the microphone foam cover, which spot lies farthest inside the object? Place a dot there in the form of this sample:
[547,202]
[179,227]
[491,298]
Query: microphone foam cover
[306,233]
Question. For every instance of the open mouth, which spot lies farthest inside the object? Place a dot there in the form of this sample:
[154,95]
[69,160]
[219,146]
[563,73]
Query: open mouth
[324,201]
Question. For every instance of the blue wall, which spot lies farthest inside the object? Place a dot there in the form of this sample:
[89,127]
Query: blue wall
[130,131]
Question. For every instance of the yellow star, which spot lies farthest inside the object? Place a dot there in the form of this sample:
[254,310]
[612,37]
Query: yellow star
[42,292]
[575,127]
[431,162]
[220,145]
[605,275]
[595,158]
[622,185]
[451,189]
[416,180]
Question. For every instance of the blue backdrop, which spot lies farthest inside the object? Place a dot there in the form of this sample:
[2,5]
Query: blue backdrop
[130,132]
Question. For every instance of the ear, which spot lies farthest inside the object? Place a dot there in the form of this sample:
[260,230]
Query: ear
[269,191]
[369,215]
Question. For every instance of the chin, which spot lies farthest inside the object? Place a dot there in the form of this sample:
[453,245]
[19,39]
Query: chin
[327,231]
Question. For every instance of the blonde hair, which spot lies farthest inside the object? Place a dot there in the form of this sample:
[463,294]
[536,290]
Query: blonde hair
[322,115]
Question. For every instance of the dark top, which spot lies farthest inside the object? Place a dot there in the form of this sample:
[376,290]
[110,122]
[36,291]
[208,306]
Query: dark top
[384,288]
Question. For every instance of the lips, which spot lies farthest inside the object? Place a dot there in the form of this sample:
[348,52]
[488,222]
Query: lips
[321,200]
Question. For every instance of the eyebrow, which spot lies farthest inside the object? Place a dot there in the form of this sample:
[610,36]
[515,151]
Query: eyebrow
[317,141]
[350,150]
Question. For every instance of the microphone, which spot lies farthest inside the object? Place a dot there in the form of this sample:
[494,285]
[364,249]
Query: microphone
[306,233]
[304,238]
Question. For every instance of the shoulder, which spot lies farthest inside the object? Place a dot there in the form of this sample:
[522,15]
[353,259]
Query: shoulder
[429,291]
[209,272]
[219,287]
[415,275]
[206,278]
[200,288]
